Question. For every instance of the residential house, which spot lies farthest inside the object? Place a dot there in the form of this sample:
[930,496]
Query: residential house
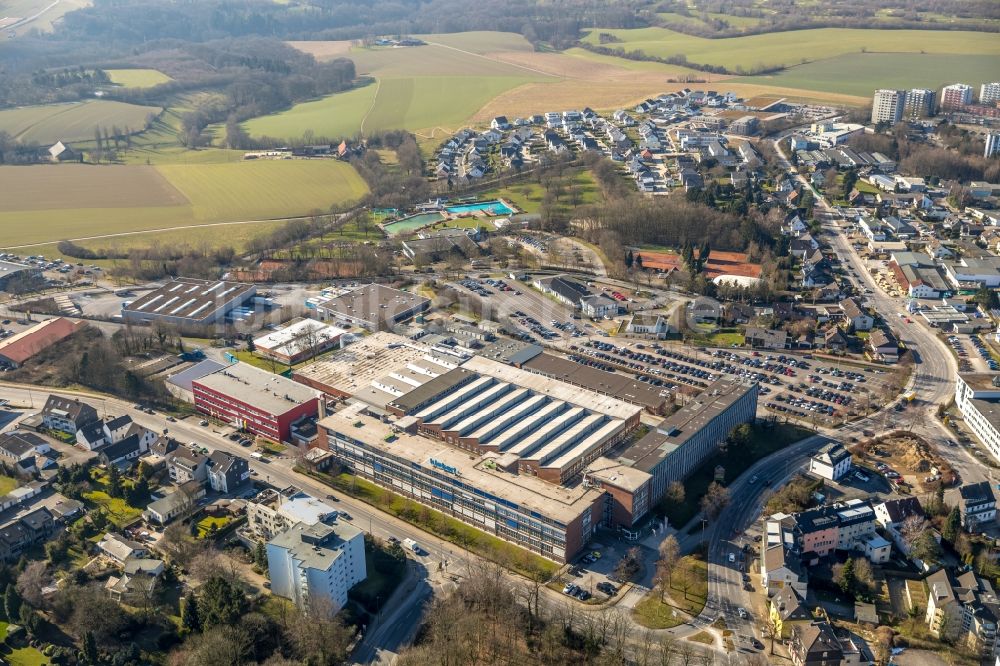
[893,514]
[787,610]
[176,504]
[227,472]
[18,446]
[648,324]
[705,310]
[138,581]
[67,415]
[124,452]
[32,528]
[762,338]
[831,462]
[944,612]
[978,506]
[882,346]
[783,568]
[856,315]
[500,123]
[186,465]
[835,341]
[597,306]
[121,549]
[815,644]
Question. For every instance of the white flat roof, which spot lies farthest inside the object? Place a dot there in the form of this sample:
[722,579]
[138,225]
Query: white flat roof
[298,338]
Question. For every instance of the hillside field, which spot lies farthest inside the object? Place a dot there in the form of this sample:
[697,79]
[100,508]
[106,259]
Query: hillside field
[165,197]
[137,78]
[48,123]
[862,73]
[440,84]
[795,47]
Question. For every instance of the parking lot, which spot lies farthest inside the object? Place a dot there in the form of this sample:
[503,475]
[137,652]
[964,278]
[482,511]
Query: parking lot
[520,307]
[791,385]
[592,578]
[979,360]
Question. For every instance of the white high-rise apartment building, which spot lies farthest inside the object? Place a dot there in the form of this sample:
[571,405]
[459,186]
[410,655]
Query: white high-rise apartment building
[887,106]
[956,96]
[992,144]
[309,562]
[920,102]
[989,93]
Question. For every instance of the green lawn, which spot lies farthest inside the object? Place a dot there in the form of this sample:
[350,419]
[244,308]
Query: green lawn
[7,484]
[735,460]
[652,613]
[869,71]
[118,510]
[206,523]
[797,46]
[137,78]
[445,527]
[26,656]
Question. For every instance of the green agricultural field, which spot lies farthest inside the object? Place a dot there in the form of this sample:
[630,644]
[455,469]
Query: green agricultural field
[438,85]
[337,115]
[795,47]
[137,78]
[49,123]
[481,42]
[264,188]
[208,193]
[861,73]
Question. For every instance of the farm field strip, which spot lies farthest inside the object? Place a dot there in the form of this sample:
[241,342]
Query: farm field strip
[870,71]
[74,121]
[796,47]
[233,192]
[137,78]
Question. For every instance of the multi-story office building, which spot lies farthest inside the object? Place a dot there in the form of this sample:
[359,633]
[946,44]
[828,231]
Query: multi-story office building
[920,103]
[485,491]
[992,145]
[684,440]
[989,93]
[956,96]
[254,400]
[321,561]
[888,105]
[977,396]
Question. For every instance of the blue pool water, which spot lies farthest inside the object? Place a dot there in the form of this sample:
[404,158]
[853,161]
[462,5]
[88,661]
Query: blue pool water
[487,207]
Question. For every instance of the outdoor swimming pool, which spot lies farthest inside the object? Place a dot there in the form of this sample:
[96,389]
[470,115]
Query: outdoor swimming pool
[411,223]
[487,207]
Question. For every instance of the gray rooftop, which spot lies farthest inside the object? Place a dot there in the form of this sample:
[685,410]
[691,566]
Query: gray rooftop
[189,298]
[272,393]
[316,546]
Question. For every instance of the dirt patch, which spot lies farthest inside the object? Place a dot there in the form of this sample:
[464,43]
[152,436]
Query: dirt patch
[916,461]
[327,50]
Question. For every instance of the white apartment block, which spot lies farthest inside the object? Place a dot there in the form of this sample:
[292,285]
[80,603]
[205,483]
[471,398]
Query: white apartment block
[978,399]
[888,105]
[956,96]
[310,562]
[989,93]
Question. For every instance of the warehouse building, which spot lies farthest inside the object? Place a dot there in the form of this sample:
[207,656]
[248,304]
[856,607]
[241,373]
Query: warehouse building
[374,307]
[15,277]
[254,400]
[18,348]
[189,303]
[299,341]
